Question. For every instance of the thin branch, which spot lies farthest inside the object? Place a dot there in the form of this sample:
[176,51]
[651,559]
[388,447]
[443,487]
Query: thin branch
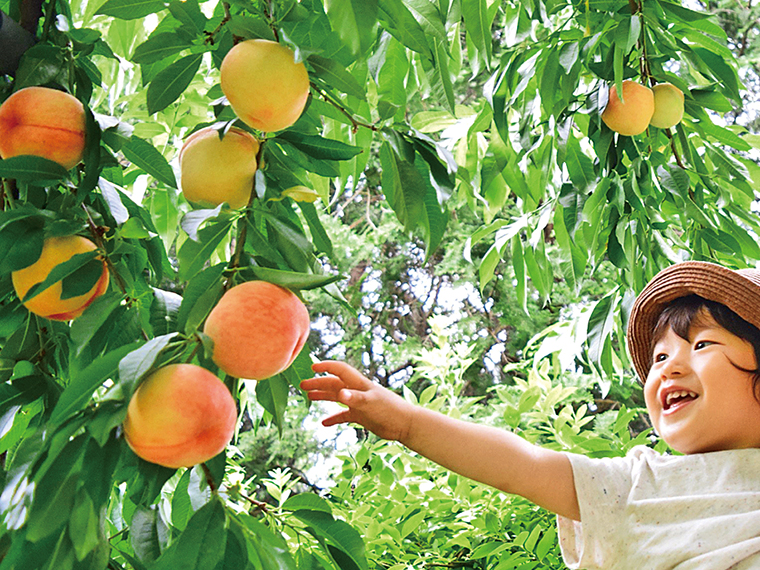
[354,123]
[210,36]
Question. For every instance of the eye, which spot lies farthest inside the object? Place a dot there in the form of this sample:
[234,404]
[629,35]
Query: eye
[702,344]
[661,357]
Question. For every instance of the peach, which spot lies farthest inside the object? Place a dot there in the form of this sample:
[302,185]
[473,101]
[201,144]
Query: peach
[264,85]
[181,415]
[258,329]
[215,171]
[668,106]
[48,303]
[43,122]
[631,115]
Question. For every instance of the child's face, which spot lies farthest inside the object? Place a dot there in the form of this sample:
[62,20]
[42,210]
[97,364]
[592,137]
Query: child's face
[696,396]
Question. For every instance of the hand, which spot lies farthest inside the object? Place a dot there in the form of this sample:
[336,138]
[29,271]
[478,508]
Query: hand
[382,412]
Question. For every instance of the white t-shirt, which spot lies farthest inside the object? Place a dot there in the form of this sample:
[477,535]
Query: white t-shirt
[654,512]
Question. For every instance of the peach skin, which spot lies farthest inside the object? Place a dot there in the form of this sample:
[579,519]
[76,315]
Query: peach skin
[48,303]
[214,171]
[181,415]
[258,329]
[264,85]
[43,122]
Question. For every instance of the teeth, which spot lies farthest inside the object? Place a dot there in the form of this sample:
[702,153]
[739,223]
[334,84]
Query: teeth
[677,395]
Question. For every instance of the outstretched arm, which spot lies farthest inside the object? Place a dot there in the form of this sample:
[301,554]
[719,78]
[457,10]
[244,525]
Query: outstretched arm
[492,456]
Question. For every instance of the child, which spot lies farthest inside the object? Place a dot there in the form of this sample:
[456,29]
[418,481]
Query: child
[694,339]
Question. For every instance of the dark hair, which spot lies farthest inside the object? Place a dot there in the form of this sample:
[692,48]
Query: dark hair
[680,314]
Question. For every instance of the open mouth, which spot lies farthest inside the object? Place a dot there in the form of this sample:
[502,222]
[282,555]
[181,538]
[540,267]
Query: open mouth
[677,398]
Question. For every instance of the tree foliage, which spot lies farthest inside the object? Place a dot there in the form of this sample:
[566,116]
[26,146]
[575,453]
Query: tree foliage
[433,128]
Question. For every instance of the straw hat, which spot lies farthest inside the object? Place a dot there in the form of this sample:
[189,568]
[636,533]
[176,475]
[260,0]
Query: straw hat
[738,290]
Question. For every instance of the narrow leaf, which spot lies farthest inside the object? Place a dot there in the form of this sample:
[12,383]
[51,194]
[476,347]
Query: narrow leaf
[172,82]
[130,9]
[149,159]
[32,169]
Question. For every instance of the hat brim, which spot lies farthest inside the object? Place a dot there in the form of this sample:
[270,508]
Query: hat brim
[737,290]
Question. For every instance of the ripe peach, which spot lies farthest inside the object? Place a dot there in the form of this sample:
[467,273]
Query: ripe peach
[258,329]
[43,122]
[48,303]
[631,116]
[668,106]
[215,171]
[181,415]
[264,85]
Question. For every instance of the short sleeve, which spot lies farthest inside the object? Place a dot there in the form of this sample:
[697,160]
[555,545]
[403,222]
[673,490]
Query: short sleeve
[602,487]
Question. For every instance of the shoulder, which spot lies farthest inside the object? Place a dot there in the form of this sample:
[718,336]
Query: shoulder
[635,456]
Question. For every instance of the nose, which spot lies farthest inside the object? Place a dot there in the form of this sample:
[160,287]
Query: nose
[676,365]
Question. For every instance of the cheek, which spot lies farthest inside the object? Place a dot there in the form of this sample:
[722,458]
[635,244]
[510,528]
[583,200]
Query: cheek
[650,396]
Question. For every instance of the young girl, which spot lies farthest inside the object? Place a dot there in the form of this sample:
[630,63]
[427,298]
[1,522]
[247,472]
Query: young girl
[694,340]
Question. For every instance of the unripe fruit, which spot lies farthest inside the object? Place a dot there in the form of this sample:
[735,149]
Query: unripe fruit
[48,303]
[181,415]
[215,171]
[264,85]
[43,122]
[668,106]
[258,329]
[631,116]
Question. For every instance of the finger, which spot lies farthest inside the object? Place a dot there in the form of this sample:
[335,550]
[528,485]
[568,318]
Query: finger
[343,417]
[350,375]
[352,398]
[322,395]
[322,383]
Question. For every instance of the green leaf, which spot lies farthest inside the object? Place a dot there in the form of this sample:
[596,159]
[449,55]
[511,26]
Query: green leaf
[160,46]
[137,363]
[201,545]
[193,255]
[79,391]
[143,154]
[438,75]
[307,501]
[403,189]
[21,244]
[85,327]
[600,325]
[579,166]
[293,280]
[319,236]
[193,220]
[269,551]
[172,82]
[721,70]
[292,244]
[143,534]
[272,394]
[32,169]
[55,492]
[201,294]
[77,269]
[475,13]
[354,21]
[400,23]
[84,525]
[430,18]
[320,147]
[42,63]
[111,196]
[338,533]
[674,179]
[130,9]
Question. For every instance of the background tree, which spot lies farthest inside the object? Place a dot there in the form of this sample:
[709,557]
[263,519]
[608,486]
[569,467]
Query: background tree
[478,238]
